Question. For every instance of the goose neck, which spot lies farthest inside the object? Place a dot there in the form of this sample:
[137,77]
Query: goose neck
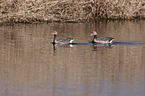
[54,38]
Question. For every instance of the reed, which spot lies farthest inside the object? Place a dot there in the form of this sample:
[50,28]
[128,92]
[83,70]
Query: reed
[35,11]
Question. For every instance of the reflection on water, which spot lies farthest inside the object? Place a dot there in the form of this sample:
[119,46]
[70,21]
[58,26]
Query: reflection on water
[31,66]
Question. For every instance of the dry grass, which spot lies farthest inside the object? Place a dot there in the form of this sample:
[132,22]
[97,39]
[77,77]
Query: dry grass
[29,11]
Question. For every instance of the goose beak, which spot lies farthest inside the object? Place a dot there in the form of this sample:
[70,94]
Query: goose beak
[91,34]
[53,33]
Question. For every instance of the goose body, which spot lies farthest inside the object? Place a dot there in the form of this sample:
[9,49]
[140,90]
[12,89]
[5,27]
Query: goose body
[61,41]
[101,39]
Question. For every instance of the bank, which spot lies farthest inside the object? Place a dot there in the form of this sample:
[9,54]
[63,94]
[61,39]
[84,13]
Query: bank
[37,11]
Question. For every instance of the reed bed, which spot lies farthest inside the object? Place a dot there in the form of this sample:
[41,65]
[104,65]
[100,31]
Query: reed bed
[35,11]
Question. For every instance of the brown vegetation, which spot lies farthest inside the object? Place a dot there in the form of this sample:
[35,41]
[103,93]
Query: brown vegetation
[69,11]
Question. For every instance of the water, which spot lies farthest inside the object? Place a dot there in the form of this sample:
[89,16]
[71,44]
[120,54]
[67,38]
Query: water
[29,65]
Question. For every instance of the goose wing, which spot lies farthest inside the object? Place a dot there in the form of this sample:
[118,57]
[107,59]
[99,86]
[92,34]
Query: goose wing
[105,38]
[65,40]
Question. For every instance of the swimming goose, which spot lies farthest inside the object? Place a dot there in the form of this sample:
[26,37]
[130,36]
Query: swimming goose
[61,41]
[101,39]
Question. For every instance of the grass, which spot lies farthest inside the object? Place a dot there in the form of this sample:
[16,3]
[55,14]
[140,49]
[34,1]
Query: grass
[35,11]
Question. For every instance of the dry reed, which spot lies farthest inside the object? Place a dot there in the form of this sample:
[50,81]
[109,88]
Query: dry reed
[35,11]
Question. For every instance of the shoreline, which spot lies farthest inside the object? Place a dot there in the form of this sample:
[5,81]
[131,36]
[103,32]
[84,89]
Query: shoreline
[69,11]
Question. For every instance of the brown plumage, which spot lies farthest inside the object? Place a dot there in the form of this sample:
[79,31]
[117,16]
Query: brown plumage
[61,41]
[101,39]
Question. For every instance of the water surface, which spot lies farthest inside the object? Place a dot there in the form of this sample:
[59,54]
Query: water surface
[29,65]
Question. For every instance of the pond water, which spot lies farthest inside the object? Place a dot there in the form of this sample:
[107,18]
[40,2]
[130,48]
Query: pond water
[29,65]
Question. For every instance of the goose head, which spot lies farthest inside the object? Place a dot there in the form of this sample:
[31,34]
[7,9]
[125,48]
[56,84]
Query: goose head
[94,33]
[54,33]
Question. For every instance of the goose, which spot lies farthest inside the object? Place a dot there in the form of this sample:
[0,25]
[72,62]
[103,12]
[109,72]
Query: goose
[104,40]
[61,41]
